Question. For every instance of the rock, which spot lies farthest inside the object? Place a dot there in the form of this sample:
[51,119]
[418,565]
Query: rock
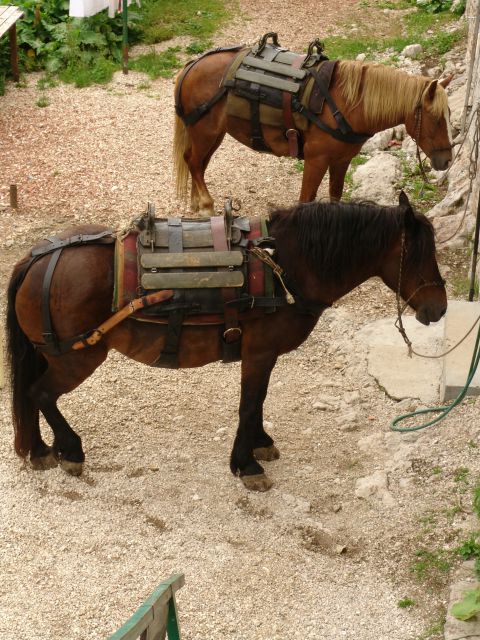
[361,57]
[374,487]
[375,180]
[349,420]
[351,397]
[412,50]
[453,231]
[379,141]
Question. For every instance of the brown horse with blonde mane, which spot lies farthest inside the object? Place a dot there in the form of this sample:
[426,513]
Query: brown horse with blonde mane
[324,249]
[371,98]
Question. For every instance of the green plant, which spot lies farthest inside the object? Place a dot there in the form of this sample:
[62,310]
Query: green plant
[469,606]
[406,603]
[84,75]
[43,101]
[430,564]
[158,65]
[194,48]
[461,475]
[434,631]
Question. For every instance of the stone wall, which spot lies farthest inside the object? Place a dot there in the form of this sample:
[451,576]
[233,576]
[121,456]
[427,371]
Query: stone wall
[460,203]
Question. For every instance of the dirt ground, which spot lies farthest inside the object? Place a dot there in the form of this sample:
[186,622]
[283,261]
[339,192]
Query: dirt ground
[307,559]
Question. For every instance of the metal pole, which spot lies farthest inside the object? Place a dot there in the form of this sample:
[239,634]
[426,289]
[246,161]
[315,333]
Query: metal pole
[125,36]
[475,254]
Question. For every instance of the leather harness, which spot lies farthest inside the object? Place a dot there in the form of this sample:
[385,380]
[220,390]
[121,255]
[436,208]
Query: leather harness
[343,132]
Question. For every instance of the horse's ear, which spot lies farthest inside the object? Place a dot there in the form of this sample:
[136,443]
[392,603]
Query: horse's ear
[404,203]
[403,200]
[446,81]
[430,91]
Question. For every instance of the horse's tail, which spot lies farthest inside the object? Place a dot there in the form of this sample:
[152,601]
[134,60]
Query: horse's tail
[25,367]
[181,142]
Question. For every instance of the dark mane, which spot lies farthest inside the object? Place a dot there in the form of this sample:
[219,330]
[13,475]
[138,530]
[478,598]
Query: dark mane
[339,237]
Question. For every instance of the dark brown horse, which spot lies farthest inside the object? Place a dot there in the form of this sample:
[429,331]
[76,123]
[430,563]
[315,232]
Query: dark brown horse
[325,250]
[370,97]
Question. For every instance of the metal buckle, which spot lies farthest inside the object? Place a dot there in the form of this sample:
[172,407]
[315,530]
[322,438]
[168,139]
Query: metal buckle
[227,332]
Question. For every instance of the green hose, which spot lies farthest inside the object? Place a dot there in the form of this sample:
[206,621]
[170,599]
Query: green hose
[444,411]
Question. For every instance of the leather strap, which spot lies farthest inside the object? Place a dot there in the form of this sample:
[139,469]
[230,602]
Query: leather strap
[195,115]
[291,131]
[344,133]
[106,237]
[169,356]
[232,333]
[48,334]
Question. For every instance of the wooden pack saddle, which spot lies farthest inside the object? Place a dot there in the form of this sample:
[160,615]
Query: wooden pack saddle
[208,265]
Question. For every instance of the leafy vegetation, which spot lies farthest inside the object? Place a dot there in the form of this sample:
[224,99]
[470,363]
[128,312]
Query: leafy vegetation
[88,50]
[406,603]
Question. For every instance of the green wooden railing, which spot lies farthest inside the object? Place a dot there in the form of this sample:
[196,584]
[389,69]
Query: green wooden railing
[156,617]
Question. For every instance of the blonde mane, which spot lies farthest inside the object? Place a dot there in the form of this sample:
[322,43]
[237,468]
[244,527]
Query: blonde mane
[383,92]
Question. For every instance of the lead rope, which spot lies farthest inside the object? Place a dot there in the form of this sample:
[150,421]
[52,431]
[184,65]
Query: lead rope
[445,410]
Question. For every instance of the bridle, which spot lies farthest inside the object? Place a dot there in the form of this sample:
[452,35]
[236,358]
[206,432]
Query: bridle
[400,308]
[416,136]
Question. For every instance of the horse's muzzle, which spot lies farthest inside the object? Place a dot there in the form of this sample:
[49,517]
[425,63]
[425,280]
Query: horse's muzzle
[428,313]
[441,161]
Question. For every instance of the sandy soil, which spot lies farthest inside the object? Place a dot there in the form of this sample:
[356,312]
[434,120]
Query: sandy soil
[306,560]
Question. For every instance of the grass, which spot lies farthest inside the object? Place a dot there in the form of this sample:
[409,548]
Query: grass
[158,65]
[410,28]
[169,18]
[461,286]
[434,631]
[83,75]
[406,603]
[42,102]
[430,565]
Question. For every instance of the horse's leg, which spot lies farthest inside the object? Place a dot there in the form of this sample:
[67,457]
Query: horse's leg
[197,158]
[263,446]
[337,171]
[313,171]
[63,375]
[255,377]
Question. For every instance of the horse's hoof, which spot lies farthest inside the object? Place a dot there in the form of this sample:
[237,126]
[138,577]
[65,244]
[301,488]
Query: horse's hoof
[73,468]
[42,463]
[267,453]
[259,482]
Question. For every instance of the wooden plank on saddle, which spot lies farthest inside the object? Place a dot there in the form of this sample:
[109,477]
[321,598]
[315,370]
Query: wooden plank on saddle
[203,280]
[192,260]
[191,239]
[275,67]
[267,81]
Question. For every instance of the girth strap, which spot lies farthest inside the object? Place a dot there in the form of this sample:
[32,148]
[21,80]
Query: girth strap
[232,333]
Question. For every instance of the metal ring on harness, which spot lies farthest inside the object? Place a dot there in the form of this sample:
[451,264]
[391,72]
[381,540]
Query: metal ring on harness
[227,332]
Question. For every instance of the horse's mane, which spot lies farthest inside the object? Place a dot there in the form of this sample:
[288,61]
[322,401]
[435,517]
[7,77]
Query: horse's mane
[385,92]
[337,238]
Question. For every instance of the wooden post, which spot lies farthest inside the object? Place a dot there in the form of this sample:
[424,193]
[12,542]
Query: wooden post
[12,33]
[13,196]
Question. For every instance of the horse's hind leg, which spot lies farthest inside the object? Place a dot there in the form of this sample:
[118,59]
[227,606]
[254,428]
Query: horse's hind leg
[197,158]
[64,374]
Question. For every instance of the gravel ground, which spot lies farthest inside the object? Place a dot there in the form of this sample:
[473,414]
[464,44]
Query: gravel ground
[309,559]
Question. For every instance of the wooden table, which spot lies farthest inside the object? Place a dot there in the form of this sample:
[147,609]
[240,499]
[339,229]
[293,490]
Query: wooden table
[9,14]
